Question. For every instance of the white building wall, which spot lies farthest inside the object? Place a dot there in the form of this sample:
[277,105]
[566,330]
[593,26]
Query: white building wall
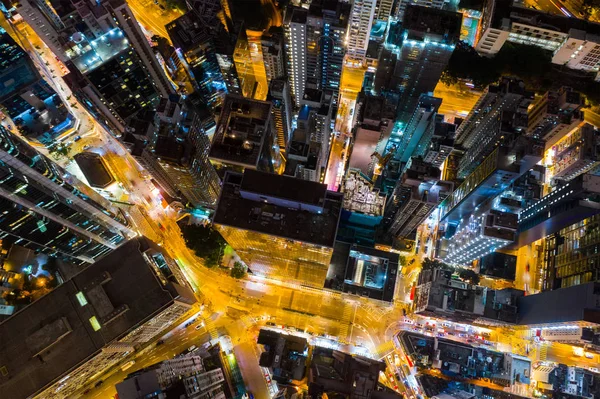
[491,41]
[295,36]
[579,54]
[359,28]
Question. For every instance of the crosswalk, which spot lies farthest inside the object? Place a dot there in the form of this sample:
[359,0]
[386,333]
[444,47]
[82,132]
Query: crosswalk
[543,352]
[345,321]
[210,328]
[384,349]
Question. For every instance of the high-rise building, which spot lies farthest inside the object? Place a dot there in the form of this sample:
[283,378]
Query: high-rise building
[414,65]
[327,24]
[567,306]
[554,114]
[481,234]
[261,89]
[195,46]
[338,373]
[419,130]
[121,14]
[244,65]
[574,154]
[281,98]
[574,42]
[45,210]
[416,195]
[93,321]
[296,36]
[281,227]
[498,116]
[189,376]
[177,155]
[491,178]
[26,98]
[570,202]
[438,294]
[105,47]
[374,121]
[383,10]
[273,54]
[359,29]
[442,144]
[309,145]
[245,137]
[401,6]
[111,80]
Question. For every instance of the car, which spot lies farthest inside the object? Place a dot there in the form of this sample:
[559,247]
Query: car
[86,147]
[589,355]
[99,383]
[160,342]
[77,138]
[191,348]
[161,7]
[199,326]
[127,365]
[593,369]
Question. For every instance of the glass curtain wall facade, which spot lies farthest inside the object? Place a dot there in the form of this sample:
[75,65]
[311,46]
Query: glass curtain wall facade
[41,210]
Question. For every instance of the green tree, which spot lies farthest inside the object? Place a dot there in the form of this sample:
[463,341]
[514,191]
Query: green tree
[430,264]
[206,243]
[530,63]
[238,270]
[466,64]
[469,276]
[59,149]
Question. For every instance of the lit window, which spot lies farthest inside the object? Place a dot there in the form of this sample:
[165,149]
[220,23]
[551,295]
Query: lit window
[81,298]
[94,322]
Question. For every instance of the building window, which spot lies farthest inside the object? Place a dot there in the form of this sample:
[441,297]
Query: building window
[95,324]
[81,298]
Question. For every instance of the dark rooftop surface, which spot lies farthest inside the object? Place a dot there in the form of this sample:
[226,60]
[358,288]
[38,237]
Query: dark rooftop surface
[94,169]
[241,131]
[432,21]
[52,336]
[277,186]
[280,214]
[187,31]
[299,15]
[363,271]
[577,303]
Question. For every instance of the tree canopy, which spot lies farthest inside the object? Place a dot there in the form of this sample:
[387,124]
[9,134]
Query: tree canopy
[532,64]
[238,270]
[467,275]
[59,149]
[206,243]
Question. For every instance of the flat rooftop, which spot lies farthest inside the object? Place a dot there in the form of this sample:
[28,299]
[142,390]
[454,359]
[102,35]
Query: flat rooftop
[361,196]
[93,168]
[363,271]
[96,52]
[280,206]
[54,335]
[565,305]
[241,131]
[432,21]
[187,31]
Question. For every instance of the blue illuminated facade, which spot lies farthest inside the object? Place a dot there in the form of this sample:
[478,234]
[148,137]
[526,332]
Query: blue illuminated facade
[28,100]
[41,208]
